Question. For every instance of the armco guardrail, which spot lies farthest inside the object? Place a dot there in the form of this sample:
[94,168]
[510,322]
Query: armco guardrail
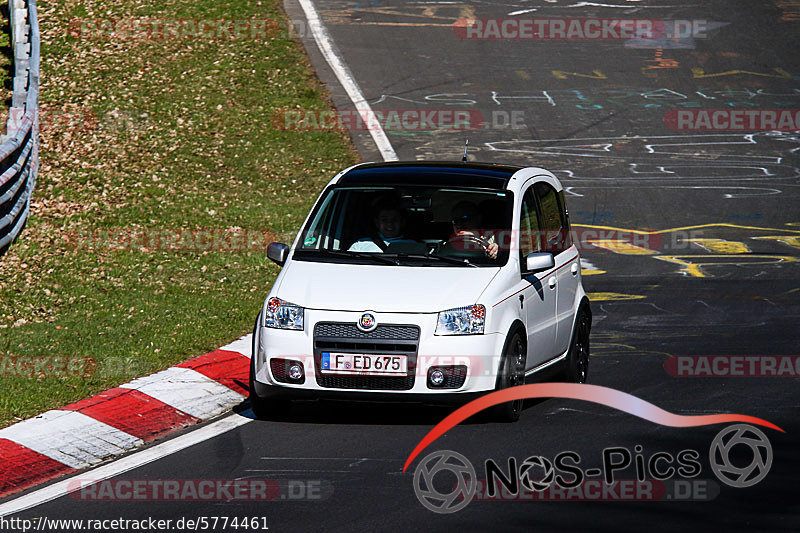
[19,151]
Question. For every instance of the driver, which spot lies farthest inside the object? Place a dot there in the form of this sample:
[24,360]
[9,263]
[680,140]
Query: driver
[466,219]
[390,221]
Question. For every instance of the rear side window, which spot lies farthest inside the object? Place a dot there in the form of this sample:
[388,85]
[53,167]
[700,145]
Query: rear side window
[553,218]
[529,240]
[565,219]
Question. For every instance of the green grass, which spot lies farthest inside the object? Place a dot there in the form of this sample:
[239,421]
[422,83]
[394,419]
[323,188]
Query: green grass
[155,135]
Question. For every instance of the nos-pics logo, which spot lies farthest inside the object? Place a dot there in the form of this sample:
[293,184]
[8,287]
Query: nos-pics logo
[446,482]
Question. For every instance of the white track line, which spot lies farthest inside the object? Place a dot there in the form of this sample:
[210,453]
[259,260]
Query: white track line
[325,44]
[120,466]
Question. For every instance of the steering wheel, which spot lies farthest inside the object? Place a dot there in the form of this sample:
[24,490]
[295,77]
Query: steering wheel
[466,239]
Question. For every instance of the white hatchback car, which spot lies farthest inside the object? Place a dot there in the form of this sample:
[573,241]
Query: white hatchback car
[423,281]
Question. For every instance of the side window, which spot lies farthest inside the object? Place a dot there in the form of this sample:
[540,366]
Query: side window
[529,241]
[565,219]
[554,231]
[316,234]
[325,229]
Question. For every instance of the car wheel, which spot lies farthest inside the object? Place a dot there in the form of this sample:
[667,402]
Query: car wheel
[512,373]
[264,408]
[578,360]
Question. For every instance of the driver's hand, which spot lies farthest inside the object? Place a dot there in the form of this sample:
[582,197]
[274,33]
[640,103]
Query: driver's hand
[492,250]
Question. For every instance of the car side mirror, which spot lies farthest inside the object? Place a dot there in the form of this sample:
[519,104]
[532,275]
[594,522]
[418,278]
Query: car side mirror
[539,261]
[277,251]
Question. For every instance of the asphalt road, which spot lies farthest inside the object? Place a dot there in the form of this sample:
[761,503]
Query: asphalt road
[593,112]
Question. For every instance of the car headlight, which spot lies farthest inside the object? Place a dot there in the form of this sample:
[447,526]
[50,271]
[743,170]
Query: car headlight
[283,315]
[467,320]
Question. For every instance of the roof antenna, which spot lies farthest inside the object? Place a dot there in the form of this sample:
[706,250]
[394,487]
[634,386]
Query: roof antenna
[464,157]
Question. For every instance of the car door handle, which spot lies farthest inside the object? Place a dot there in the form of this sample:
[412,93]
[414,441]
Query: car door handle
[574,269]
[552,282]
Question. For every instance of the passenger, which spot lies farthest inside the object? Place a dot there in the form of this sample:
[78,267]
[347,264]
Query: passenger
[467,220]
[390,221]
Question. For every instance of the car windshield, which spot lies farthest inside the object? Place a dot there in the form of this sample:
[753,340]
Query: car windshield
[408,225]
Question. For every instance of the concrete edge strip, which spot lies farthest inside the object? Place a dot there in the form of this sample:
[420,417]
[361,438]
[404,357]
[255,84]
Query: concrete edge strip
[125,464]
[81,435]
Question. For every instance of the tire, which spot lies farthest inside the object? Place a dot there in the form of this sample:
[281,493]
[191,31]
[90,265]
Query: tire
[512,374]
[264,408]
[578,360]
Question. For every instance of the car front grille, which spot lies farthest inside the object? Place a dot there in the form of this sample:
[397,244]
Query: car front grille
[366,347]
[382,332]
[366,382]
[385,339]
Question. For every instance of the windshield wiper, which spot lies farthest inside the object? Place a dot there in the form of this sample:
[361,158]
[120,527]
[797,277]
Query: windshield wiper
[451,260]
[380,258]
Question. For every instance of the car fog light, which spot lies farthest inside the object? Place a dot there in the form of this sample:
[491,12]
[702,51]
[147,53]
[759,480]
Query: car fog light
[437,377]
[295,372]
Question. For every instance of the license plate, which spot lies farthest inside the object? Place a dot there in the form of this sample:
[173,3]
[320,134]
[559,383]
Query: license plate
[364,364]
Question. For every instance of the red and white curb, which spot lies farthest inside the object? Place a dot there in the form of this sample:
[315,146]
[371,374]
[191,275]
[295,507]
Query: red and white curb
[83,434]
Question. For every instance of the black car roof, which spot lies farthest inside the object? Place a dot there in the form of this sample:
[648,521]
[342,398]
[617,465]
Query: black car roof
[433,173]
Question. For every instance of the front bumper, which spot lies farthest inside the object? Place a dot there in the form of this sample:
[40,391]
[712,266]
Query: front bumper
[480,354]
